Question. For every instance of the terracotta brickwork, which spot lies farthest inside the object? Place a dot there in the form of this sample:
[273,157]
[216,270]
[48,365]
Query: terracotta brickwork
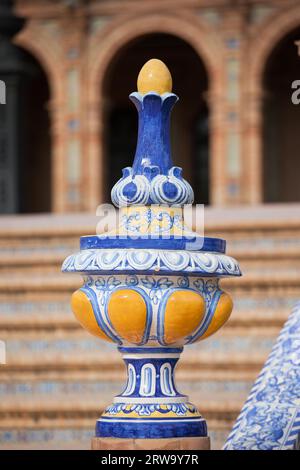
[75,42]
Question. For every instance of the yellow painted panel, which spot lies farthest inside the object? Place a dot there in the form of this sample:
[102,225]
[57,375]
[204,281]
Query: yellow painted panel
[157,223]
[184,313]
[83,311]
[221,315]
[154,76]
[127,311]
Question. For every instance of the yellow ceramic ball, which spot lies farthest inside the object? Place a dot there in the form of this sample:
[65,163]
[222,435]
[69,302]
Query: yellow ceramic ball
[154,76]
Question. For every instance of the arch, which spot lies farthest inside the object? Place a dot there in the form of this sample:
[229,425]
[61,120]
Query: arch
[33,159]
[280,136]
[45,49]
[25,136]
[126,29]
[266,37]
[114,37]
[36,42]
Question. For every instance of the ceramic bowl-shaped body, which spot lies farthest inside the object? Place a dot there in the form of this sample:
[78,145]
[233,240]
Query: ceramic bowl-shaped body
[153,310]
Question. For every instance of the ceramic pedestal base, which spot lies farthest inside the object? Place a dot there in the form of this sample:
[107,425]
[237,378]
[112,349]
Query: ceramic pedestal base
[150,407]
[180,443]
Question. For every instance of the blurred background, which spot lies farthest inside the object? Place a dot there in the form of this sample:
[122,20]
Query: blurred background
[66,131]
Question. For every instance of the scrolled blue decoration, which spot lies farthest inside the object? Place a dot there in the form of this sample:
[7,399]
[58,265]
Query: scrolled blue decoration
[130,190]
[270,418]
[171,189]
[137,189]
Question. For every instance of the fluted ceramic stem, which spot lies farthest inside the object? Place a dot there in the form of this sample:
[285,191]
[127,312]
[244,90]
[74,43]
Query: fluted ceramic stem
[150,376]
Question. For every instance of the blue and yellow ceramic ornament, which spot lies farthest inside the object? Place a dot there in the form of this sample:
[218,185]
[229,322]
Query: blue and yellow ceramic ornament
[151,286]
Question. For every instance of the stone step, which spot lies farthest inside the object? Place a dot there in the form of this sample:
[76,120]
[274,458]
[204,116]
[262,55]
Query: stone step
[53,249]
[58,378]
[275,217]
[51,311]
[26,405]
[33,349]
[59,316]
[54,305]
[72,437]
[246,243]
[48,438]
[29,408]
[257,229]
[47,402]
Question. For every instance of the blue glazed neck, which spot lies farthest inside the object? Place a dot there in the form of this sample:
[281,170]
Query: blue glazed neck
[153,151]
[153,179]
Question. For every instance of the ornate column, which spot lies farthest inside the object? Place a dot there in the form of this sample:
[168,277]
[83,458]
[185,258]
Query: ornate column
[254,151]
[58,190]
[74,26]
[152,285]
[235,21]
[94,115]
[218,178]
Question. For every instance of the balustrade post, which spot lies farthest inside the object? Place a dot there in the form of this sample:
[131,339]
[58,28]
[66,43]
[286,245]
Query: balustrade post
[152,286]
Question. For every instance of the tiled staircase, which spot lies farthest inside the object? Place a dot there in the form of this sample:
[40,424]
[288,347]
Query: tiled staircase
[58,378]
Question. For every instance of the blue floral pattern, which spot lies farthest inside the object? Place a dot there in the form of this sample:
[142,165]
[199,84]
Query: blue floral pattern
[270,418]
[138,222]
[131,281]
[156,286]
[207,288]
[180,409]
[105,285]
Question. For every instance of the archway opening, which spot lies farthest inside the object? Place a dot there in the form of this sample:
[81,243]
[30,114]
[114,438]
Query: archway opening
[26,165]
[190,117]
[281,118]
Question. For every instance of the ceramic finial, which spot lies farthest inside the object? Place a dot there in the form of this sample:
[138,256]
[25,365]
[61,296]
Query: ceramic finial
[154,76]
[153,179]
